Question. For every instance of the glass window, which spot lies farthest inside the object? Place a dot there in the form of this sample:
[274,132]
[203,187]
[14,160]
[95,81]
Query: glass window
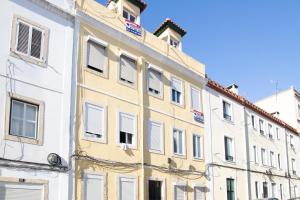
[154,81]
[228,149]
[129,16]
[176,90]
[227,111]
[261,126]
[178,142]
[128,70]
[197,146]
[127,128]
[265,190]
[230,189]
[96,56]
[263,156]
[155,190]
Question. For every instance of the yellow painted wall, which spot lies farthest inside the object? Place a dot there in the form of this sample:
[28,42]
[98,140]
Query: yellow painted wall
[116,97]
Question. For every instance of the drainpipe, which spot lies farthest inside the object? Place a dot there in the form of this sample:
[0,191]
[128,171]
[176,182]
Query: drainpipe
[247,152]
[288,163]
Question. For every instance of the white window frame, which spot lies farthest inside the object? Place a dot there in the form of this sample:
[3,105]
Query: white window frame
[174,43]
[273,192]
[134,140]
[161,151]
[93,175]
[133,178]
[44,41]
[294,166]
[292,141]
[278,135]
[129,14]
[264,158]
[255,154]
[230,110]
[155,68]
[179,183]
[183,142]
[279,161]
[233,149]
[99,42]
[181,103]
[201,147]
[132,57]
[104,123]
[200,98]
[163,186]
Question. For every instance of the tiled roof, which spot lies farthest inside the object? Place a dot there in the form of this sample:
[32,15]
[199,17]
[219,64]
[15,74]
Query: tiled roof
[168,23]
[139,3]
[242,100]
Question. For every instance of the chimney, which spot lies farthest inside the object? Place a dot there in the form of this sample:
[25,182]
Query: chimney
[233,88]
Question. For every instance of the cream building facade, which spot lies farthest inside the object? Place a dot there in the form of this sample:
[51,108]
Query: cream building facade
[140,130]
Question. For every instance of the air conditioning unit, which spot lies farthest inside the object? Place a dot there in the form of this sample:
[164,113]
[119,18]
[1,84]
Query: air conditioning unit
[124,147]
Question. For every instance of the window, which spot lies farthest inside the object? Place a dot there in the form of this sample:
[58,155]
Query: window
[256,189]
[174,43]
[294,166]
[93,187]
[127,127]
[255,154]
[15,191]
[197,146]
[23,119]
[263,156]
[155,137]
[179,192]
[273,190]
[228,149]
[29,40]
[227,114]
[272,159]
[127,190]
[128,70]
[230,189]
[277,133]
[155,190]
[129,16]
[199,193]
[265,190]
[94,122]
[96,56]
[281,191]
[270,129]
[299,111]
[178,142]
[261,126]
[292,141]
[279,161]
[176,90]
[253,121]
[195,99]
[155,82]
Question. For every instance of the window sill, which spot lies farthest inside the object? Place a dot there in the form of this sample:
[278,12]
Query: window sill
[103,75]
[129,147]
[156,152]
[198,159]
[23,139]
[230,162]
[182,156]
[102,141]
[41,63]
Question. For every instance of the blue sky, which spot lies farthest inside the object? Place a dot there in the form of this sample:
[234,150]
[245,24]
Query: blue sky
[240,41]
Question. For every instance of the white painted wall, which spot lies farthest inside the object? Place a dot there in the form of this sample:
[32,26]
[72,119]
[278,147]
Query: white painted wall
[51,84]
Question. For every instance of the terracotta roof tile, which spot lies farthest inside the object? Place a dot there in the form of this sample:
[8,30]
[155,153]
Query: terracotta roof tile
[168,23]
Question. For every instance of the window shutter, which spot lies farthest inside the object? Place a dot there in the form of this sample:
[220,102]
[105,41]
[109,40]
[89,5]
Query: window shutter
[198,193]
[155,142]
[179,192]
[128,69]
[96,57]
[154,80]
[126,123]
[127,188]
[195,94]
[20,193]
[176,84]
[94,189]
[23,38]
[36,43]
[94,117]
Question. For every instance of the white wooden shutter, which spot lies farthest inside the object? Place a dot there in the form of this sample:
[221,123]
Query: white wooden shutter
[177,85]
[94,189]
[127,123]
[155,136]
[7,193]
[23,38]
[127,189]
[94,119]
[96,57]
[154,78]
[198,194]
[179,192]
[195,99]
[128,69]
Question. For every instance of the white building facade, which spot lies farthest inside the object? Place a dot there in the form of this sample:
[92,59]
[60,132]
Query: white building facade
[35,93]
[250,153]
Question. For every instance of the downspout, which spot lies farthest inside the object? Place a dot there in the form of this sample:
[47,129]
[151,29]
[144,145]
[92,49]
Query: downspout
[247,152]
[73,110]
[288,163]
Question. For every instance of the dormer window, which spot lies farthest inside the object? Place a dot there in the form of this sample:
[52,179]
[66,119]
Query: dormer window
[174,43]
[129,16]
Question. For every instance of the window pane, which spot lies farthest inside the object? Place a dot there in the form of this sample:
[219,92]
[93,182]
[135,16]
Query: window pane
[125,14]
[96,57]
[23,37]
[31,112]
[155,188]
[36,42]
[129,138]
[17,109]
[132,18]
[122,137]
[16,127]
[30,129]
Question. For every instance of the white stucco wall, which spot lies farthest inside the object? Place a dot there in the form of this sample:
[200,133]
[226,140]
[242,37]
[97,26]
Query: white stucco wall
[50,84]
